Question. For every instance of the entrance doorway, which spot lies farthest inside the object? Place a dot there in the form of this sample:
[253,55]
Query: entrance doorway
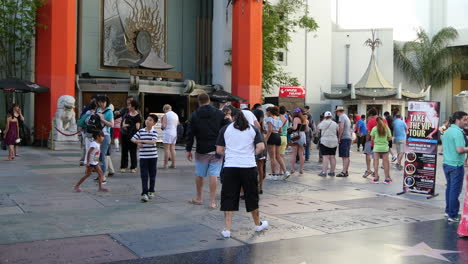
[376,107]
[396,109]
[118,100]
[153,103]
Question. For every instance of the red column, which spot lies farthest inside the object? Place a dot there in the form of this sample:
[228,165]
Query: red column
[55,59]
[247,50]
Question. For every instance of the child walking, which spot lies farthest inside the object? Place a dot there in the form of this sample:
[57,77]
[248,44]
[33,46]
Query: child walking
[92,162]
[146,140]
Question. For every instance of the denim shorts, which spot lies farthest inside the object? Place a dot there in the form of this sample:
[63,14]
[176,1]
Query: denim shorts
[208,165]
[344,148]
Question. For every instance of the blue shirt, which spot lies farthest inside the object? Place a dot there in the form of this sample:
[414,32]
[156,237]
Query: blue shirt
[362,127]
[453,138]
[399,129]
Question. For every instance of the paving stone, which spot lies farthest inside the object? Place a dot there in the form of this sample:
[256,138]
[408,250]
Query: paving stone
[70,223]
[243,226]
[287,187]
[123,199]
[53,166]
[53,204]
[65,154]
[351,219]
[173,240]
[339,194]
[91,249]
[182,195]
[9,188]
[10,210]
[393,205]
[6,201]
[294,204]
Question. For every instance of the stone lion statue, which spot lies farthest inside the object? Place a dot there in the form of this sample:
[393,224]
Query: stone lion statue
[65,115]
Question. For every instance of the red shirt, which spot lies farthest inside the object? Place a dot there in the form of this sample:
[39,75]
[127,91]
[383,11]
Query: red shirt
[371,124]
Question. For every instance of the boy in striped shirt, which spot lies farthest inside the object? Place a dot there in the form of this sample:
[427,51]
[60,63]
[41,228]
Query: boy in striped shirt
[146,140]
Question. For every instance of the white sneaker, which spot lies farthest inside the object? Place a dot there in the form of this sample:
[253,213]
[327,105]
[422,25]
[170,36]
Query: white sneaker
[144,198]
[269,177]
[263,225]
[286,175]
[226,233]
[274,177]
[151,195]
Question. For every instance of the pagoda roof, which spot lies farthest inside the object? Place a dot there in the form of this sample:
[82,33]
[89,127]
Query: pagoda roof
[373,78]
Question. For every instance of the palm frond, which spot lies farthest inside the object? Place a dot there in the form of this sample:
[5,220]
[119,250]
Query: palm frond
[444,37]
[406,65]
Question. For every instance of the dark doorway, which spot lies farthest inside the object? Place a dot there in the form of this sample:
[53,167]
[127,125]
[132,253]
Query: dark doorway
[376,107]
[153,103]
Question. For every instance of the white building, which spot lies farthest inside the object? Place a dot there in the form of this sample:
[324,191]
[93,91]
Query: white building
[335,54]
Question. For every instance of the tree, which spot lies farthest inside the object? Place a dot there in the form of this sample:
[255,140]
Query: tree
[17,31]
[279,21]
[429,61]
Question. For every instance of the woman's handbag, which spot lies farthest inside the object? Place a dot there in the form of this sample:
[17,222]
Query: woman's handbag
[295,136]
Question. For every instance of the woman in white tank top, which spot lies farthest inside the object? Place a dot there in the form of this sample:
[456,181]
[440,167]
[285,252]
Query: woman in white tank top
[169,124]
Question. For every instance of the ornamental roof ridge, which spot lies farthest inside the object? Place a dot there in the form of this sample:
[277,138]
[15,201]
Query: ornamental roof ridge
[373,78]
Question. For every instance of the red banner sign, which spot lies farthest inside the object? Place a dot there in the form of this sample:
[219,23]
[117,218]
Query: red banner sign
[292,91]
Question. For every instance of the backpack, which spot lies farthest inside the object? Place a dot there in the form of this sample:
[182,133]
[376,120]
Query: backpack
[93,124]
[82,121]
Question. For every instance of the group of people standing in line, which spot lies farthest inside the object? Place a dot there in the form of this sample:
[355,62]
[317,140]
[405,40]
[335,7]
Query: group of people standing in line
[376,137]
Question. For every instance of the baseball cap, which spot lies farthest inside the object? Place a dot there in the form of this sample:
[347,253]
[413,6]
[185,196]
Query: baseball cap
[327,113]
[297,110]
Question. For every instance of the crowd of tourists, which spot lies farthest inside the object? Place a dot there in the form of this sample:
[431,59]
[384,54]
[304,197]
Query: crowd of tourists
[239,146]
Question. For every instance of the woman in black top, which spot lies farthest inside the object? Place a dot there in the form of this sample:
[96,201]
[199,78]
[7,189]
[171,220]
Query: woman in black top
[299,125]
[130,125]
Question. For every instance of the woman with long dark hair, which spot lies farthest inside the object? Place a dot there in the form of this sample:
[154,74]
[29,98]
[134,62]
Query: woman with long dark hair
[380,135]
[130,125]
[299,126]
[273,139]
[239,142]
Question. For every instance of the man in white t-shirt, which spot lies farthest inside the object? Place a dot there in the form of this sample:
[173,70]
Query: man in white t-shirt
[251,118]
[169,124]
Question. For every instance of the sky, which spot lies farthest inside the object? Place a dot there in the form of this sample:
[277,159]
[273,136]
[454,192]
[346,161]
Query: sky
[404,16]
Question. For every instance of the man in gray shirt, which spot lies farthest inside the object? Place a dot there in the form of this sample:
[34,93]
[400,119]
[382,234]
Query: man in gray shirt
[344,140]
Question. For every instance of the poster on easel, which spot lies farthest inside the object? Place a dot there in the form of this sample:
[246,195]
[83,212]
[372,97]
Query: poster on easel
[421,148]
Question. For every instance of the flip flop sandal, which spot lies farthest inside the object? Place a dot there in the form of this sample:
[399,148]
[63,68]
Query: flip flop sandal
[214,207]
[194,202]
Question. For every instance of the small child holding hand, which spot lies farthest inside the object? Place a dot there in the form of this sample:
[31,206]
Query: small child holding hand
[92,162]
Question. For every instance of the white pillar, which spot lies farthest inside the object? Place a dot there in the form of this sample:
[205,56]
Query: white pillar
[386,107]
[218,42]
[362,108]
